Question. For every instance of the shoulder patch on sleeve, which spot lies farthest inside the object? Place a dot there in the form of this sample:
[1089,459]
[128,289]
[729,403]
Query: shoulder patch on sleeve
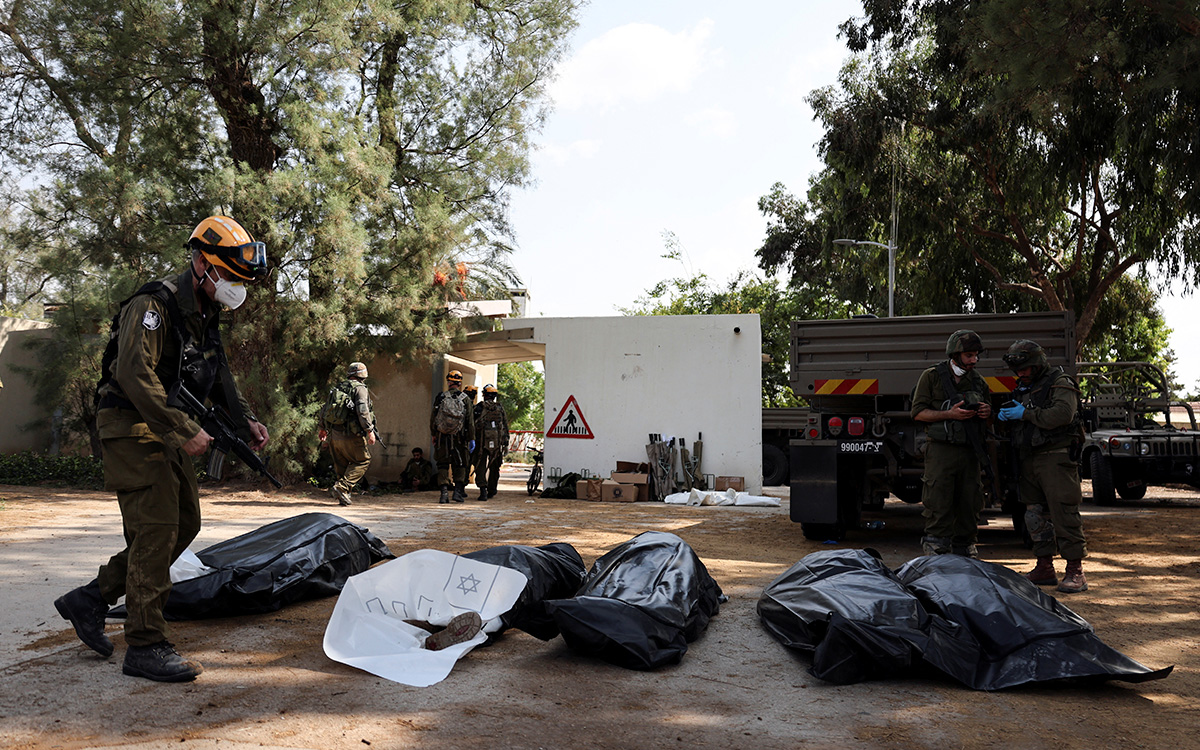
[151,320]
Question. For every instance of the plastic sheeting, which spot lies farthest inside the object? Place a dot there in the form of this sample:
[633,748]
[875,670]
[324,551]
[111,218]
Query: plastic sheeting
[641,604]
[367,629]
[720,497]
[978,622]
[553,571]
[304,557]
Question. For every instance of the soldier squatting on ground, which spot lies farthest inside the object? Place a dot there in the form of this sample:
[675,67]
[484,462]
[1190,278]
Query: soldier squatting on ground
[165,336]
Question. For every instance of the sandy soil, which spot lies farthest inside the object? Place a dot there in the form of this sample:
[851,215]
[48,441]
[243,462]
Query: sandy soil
[268,684]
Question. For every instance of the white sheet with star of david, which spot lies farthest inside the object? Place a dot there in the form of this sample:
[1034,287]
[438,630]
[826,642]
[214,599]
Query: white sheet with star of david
[367,629]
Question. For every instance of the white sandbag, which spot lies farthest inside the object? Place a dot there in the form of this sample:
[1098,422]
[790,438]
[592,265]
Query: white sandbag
[367,628]
[724,497]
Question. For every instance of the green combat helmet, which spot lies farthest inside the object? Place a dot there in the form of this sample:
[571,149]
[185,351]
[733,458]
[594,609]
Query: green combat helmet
[963,340]
[1026,353]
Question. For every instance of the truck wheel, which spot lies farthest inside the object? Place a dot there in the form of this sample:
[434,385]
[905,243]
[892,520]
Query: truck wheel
[1103,489]
[774,466]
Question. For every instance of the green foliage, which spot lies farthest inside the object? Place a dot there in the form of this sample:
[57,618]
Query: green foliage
[371,146]
[746,294]
[1023,180]
[523,391]
[38,468]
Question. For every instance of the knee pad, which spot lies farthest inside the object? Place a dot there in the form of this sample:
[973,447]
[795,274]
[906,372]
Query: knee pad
[1037,523]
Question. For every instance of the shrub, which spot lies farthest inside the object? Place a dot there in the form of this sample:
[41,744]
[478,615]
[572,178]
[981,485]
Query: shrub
[38,468]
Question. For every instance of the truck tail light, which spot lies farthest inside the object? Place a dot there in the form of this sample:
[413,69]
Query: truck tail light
[835,426]
[813,433]
[856,426]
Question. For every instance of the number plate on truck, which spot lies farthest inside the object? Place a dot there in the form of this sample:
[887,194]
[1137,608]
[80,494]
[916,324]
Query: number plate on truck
[860,446]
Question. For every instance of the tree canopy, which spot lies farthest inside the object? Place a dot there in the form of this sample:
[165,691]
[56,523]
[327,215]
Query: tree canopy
[1043,152]
[370,145]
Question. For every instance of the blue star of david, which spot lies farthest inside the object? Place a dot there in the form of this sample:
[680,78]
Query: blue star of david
[468,584]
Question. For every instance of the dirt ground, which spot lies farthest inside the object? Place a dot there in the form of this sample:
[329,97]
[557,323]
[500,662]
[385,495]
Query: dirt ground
[268,683]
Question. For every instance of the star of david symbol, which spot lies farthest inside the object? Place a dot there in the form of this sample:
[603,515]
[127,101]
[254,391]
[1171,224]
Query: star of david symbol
[468,584]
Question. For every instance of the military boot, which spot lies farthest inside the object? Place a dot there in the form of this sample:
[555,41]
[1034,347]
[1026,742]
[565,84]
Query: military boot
[966,550]
[1073,580]
[460,493]
[460,629]
[483,494]
[445,496]
[1043,573]
[160,662]
[85,608]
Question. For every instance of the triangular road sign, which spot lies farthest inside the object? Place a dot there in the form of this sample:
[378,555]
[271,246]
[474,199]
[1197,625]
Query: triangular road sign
[570,422]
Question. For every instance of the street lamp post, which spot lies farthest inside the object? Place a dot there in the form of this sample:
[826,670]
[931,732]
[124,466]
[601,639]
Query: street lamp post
[891,269]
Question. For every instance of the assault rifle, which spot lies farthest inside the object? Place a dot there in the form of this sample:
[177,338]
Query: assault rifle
[217,423]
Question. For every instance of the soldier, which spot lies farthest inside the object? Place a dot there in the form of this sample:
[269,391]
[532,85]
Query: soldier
[165,336]
[348,423]
[491,425]
[952,399]
[418,473]
[452,426]
[1044,420]
[473,469]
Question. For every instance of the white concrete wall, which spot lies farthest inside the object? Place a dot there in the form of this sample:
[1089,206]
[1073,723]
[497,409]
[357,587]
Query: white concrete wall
[17,395]
[675,375]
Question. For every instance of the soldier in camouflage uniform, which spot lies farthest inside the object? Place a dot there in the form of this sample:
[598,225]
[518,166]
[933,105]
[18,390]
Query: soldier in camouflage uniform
[491,431]
[1044,420]
[952,399]
[164,336]
[350,443]
[452,451]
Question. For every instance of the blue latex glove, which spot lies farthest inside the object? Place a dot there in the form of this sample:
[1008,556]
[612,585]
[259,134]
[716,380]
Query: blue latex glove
[1012,413]
[471,447]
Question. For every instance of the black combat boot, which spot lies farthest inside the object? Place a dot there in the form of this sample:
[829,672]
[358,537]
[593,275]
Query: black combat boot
[483,494]
[85,608]
[160,662]
[445,496]
[460,493]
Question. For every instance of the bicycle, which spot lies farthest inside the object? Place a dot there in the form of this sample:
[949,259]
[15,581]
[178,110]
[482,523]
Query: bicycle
[535,474]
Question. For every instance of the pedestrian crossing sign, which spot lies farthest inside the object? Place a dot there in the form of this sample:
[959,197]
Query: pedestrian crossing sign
[570,423]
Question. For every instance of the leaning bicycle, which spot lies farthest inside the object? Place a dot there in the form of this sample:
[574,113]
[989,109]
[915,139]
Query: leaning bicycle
[535,474]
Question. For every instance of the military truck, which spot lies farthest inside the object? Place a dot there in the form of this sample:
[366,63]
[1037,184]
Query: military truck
[856,443]
[1127,447]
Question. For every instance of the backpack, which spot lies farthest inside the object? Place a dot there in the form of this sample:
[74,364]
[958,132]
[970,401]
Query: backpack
[451,413]
[338,410]
[488,425]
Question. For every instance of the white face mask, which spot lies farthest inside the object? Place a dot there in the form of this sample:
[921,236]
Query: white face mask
[229,293]
[958,371]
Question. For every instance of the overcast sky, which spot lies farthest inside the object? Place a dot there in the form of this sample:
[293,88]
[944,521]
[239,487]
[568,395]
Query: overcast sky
[677,116]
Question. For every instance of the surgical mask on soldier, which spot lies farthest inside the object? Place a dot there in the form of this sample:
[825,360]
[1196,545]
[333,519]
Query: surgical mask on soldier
[229,293]
[958,371]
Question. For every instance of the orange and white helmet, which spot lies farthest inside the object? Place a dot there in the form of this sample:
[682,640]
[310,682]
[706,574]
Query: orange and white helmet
[225,243]
[454,376]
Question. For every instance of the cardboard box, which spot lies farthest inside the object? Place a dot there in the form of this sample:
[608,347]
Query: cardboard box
[632,467]
[638,479]
[615,492]
[720,484]
[588,489]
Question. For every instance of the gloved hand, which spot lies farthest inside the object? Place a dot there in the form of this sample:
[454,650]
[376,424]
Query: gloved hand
[471,447]
[1012,413]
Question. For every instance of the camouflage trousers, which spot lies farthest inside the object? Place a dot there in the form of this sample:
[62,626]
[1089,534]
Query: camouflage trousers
[952,493]
[1049,488]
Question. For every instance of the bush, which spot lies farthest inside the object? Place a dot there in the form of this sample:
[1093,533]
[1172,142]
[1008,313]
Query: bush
[38,468]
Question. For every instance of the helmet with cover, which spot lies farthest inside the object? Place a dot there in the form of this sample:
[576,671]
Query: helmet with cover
[225,243]
[356,370]
[1025,353]
[963,340]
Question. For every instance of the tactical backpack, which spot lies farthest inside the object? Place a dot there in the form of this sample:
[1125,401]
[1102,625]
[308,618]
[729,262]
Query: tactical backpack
[338,410]
[490,419]
[451,413]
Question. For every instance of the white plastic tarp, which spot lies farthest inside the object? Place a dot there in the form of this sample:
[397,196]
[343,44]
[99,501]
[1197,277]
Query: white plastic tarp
[724,497]
[367,629]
